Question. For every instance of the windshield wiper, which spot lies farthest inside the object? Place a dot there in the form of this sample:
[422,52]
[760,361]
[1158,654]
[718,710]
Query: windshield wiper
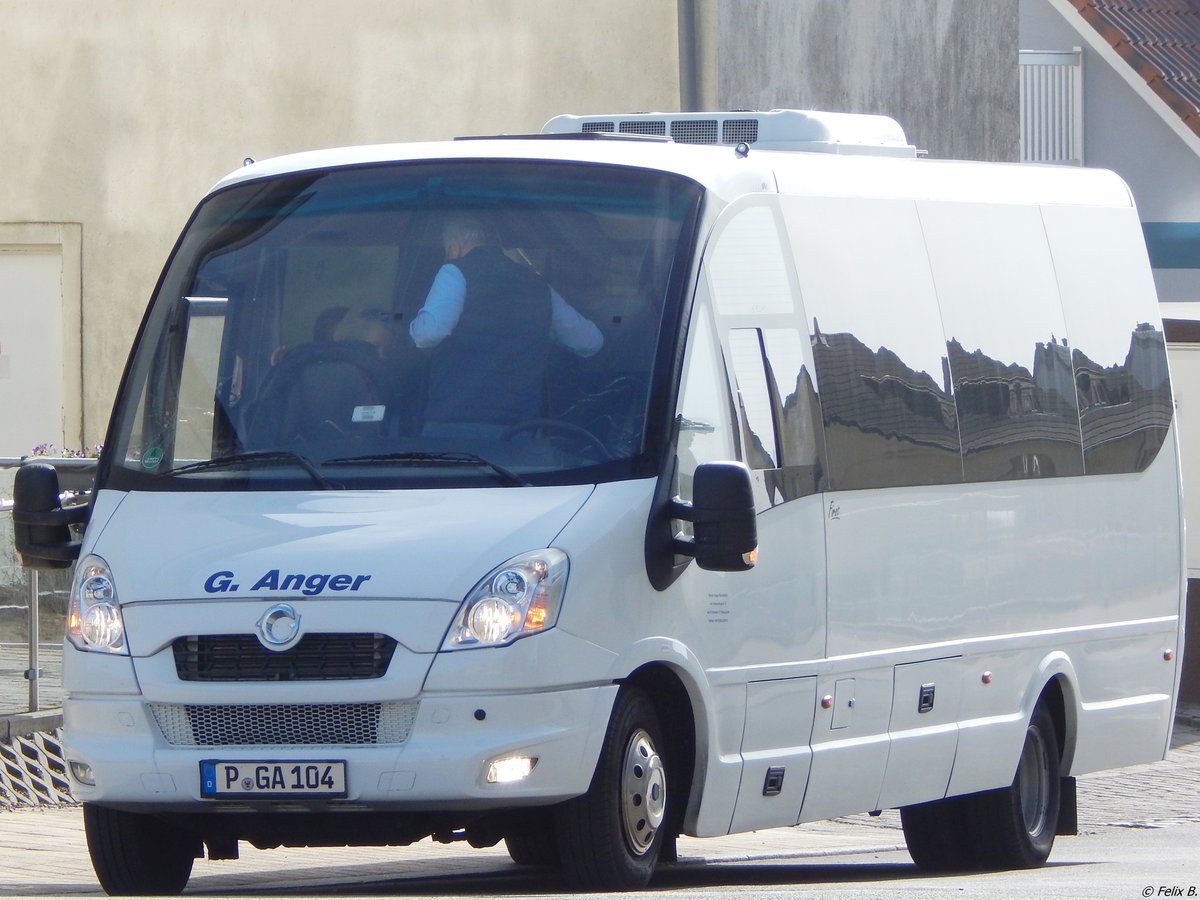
[257,456]
[417,458]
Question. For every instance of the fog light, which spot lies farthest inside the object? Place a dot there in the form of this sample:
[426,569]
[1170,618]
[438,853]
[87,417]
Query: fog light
[510,769]
[83,773]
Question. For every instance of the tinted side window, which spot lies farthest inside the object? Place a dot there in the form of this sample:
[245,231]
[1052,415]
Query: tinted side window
[757,403]
[781,416]
[703,418]
[798,423]
[1006,341]
[877,342]
[1119,354]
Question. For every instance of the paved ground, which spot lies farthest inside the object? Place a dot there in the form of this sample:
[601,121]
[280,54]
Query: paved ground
[42,850]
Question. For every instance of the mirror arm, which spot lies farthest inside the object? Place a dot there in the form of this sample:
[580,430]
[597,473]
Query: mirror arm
[683,510]
[65,515]
[66,552]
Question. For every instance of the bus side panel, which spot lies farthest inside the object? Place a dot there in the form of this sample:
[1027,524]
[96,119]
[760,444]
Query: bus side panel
[756,632]
[894,476]
[1128,675]
[923,731]
[1030,557]
[1127,689]
[775,753]
[850,742]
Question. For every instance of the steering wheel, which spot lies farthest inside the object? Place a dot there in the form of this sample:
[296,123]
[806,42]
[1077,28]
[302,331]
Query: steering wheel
[569,428]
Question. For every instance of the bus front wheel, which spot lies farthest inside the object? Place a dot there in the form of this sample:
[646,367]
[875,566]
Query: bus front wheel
[612,836]
[137,854]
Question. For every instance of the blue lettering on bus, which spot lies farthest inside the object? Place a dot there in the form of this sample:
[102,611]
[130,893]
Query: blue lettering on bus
[309,585]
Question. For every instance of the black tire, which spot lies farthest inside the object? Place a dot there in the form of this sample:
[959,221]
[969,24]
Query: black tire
[937,835]
[611,837]
[533,848]
[1022,819]
[1008,828]
[137,855]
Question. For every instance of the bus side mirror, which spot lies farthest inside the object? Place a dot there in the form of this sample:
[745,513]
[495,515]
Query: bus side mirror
[724,524]
[41,526]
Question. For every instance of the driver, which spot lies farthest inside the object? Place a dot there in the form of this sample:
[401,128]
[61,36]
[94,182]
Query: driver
[489,322]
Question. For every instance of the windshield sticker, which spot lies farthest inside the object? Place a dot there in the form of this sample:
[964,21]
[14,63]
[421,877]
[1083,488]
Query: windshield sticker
[368,414]
[309,585]
[152,457]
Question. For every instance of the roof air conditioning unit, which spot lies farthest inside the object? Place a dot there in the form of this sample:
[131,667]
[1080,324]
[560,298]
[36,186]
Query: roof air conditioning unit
[777,129]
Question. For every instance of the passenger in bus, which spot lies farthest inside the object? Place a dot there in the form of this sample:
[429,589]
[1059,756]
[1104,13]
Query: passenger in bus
[370,326]
[337,323]
[327,322]
[490,322]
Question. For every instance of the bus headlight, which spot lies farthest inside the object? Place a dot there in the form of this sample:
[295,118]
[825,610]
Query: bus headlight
[94,620]
[516,599]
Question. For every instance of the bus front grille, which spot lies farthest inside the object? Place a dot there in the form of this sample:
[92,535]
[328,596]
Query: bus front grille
[315,657]
[268,724]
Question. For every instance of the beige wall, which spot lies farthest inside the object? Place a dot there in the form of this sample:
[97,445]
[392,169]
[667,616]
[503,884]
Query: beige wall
[119,114]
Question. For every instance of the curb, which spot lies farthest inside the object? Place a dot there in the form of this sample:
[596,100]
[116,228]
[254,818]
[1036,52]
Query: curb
[724,859]
[29,723]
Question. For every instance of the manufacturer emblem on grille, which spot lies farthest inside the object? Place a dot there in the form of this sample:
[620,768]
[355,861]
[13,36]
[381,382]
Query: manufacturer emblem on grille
[279,626]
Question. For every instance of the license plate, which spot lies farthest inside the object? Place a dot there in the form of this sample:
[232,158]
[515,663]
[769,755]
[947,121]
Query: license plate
[273,778]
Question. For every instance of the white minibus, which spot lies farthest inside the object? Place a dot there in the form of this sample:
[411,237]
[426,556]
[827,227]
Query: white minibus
[655,475]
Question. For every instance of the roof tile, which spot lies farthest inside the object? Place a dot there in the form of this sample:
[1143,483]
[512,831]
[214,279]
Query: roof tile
[1160,40]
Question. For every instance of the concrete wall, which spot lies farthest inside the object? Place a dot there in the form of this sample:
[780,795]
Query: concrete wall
[118,115]
[945,69]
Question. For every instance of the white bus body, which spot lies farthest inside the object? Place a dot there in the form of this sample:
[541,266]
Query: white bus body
[942,385]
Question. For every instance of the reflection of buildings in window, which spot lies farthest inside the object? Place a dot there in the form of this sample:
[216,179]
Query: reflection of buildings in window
[886,424]
[790,430]
[1016,423]
[1125,408]
[757,454]
[801,443]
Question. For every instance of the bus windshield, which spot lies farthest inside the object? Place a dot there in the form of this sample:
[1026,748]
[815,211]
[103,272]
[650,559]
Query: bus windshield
[478,323]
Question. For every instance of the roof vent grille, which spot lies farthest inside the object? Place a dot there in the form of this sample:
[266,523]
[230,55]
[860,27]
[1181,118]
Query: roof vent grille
[776,129]
[649,126]
[694,131]
[739,131]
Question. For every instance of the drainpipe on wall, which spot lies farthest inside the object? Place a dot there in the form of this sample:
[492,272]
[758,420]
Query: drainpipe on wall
[689,72]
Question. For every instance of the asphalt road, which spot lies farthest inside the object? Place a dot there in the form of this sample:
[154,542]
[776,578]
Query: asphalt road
[1112,862]
[1140,837]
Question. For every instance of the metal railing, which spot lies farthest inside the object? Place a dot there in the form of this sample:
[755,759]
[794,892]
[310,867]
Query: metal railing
[33,771]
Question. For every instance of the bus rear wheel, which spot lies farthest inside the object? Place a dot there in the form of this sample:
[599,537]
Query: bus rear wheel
[1022,819]
[1008,828]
